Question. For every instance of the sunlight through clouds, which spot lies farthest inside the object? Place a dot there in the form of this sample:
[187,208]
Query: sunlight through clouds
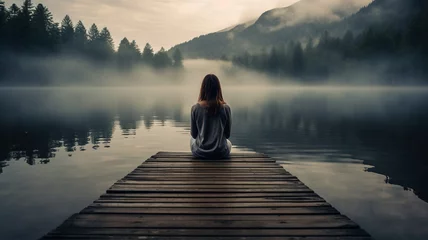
[160,22]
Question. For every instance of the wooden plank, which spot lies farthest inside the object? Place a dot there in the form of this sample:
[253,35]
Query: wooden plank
[280,195]
[207,200]
[209,187]
[191,160]
[295,222]
[211,205]
[174,196]
[212,232]
[227,218]
[202,187]
[205,178]
[218,174]
[183,190]
[189,155]
[229,174]
[211,169]
[214,182]
[126,237]
[209,165]
[214,211]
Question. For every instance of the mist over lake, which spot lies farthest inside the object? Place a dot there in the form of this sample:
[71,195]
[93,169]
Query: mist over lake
[361,148]
[325,103]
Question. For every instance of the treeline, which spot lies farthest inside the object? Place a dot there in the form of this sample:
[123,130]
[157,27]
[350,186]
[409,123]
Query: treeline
[392,52]
[31,30]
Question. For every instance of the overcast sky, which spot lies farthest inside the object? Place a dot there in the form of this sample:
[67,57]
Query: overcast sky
[160,22]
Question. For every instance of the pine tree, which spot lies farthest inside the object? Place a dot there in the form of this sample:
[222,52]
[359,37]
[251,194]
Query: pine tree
[26,14]
[42,22]
[148,54]
[80,37]
[67,31]
[12,25]
[136,52]
[124,54]
[124,46]
[93,34]
[177,58]
[273,62]
[93,41]
[161,59]
[27,10]
[3,20]
[55,35]
[298,60]
[23,25]
[347,44]
[14,12]
[106,44]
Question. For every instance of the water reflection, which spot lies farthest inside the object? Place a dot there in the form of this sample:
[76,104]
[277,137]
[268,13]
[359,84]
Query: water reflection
[383,129]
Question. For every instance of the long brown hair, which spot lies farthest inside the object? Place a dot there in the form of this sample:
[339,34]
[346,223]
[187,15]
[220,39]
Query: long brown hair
[211,93]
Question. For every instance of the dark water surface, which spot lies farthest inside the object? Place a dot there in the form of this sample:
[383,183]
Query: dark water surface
[364,150]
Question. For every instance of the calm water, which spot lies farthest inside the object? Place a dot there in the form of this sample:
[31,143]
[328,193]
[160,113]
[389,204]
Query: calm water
[363,150]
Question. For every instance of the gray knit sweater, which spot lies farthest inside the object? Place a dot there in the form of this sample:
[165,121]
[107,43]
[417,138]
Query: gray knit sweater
[210,131]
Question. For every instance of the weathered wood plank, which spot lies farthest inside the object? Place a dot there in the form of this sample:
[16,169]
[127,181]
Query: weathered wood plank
[207,200]
[211,205]
[256,187]
[126,237]
[217,188]
[212,169]
[208,165]
[115,189]
[231,217]
[279,195]
[205,178]
[214,182]
[209,171]
[214,211]
[213,232]
[228,174]
[192,160]
[189,155]
[296,222]
[174,196]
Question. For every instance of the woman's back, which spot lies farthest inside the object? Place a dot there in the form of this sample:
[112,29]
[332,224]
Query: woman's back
[210,131]
[211,122]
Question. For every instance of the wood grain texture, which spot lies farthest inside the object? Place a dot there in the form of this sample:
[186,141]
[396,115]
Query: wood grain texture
[175,196]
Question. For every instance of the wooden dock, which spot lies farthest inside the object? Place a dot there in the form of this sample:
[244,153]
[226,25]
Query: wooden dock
[173,196]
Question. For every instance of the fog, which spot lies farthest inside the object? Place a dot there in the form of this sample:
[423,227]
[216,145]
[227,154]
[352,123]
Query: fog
[72,71]
[77,72]
[308,11]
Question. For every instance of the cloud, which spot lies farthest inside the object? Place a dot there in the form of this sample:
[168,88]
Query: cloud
[169,22]
[313,11]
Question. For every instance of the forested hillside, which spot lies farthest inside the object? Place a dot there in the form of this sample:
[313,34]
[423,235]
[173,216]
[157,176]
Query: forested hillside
[29,31]
[392,48]
[302,21]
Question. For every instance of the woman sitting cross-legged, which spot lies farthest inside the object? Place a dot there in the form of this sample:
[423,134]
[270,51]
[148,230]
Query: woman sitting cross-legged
[211,122]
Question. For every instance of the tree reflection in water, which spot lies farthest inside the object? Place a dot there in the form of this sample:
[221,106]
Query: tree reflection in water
[385,130]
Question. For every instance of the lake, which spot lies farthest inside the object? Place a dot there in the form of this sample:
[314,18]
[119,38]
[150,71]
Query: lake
[363,149]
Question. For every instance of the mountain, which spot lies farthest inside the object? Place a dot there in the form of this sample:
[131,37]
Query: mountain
[299,22]
[381,14]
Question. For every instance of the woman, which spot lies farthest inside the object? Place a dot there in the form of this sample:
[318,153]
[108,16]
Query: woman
[211,122]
